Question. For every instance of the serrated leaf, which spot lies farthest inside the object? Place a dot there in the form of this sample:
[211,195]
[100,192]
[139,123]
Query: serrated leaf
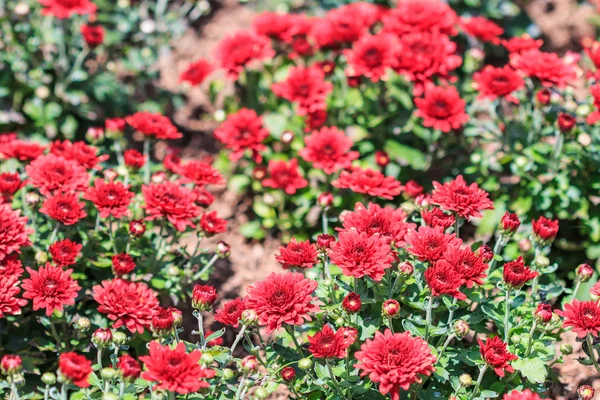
[533,369]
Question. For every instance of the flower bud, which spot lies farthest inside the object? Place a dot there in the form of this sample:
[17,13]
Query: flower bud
[324,241]
[382,158]
[516,339]
[584,272]
[32,198]
[119,338]
[223,249]
[585,392]
[249,317]
[541,261]
[206,359]
[102,337]
[94,134]
[41,257]
[509,223]
[11,364]
[287,137]
[82,324]
[110,396]
[261,393]
[177,316]
[259,173]
[390,308]
[288,374]
[325,200]
[485,253]
[543,96]
[305,364]
[16,379]
[108,373]
[48,378]
[228,374]
[566,122]
[566,349]
[249,364]
[352,303]
[406,269]
[465,380]
[543,313]
[137,228]
[162,322]
[110,174]
[203,297]
[461,328]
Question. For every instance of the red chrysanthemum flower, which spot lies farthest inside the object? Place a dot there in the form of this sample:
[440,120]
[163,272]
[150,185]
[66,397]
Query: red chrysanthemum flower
[66,8]
[11,266]
[436,217]
[469,267]
[10,183]
[282,299]
[172,201]
[162,322]
[199,172]
[328,343]
[13,231]
[338,27]
[516,273]
[92,34]
[509,223]
[196,72]
[594,116]
[241,131]
[110,198]
[9,289]
[456,196]
[21,150]
[482,28]
[83,154]
[352,303]
[388,223]
[7,137]
[545,229]
[297,36]
[395,361]
[328,149]
[231,312]
[548,68]
[442,278]
[316,120]
[369,181]
[495,353]
[359,254]
[122,264]
[306,86]
[413,189]
[494,82]
[583,317]
[53,173]
[174,370]
[372,55]
[134,158]
[115,124]
[420,16]
[204,197]
[129,304]
[75,368]
[50,287]
[203,297]
[521,44]
[234,52]
[211,224]
[543,313]
[151,124]
[64,208]
[129,367]
[285,176]
[430,244]
[64,252]
[442,108]
[298,254]
[523,395]
[275,25]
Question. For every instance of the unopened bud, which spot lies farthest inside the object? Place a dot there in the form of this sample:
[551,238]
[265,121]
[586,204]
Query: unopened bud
[41,257]
[585,392]
[32,198]
[206,359]
[288,374]
[82,323]
[249,364]
[566,349]
[305,364]
[287,137]
[406,269]
[461,328]
[49,378]
[102,337]
[223,249]
[485,253]
[108,373]
[228,374]
[543,313]
[541,261]
[584,272]
[203,297]
[465,380]
[249,317]
[119,338]
[11,364]
[390,308]
[325,200]
[261,393]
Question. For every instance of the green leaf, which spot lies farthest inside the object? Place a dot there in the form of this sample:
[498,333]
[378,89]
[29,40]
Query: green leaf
[409,155]
[275,124]
[215,335]
[533,369]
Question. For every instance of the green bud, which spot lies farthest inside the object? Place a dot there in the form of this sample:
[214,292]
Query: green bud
[541,261]
[305,364]
[339,321]
[566,349]
[119,338]
[465,380]
[41,257]
[261,393]
[110,396]
[82,324]
[206,359]
[228,374]
[108,373]
[515,339]
[17,379]
[173,271]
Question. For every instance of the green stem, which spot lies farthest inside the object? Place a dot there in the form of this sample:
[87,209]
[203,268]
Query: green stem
[291,332]
[238,393]
[390,324]
[76,67]
[206,267]
[451,314]
[147,157]
[121,389]
[590,345]
[47,392]
[497,250]
[530,344]
[14,392]
[577,286]
[63,391]
[428,317]
[507,315]
[200,318]
[111,233]
[99,357]
[54,233]
[333,380]
[239,337]
[479,379]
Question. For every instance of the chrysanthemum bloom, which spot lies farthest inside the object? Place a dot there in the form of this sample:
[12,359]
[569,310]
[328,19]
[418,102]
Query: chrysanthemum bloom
[543,313]
[548,68]
[430,244]
[10,183]
[76,368]
[64,208]
[315,120]
[389,223]
[297,36]
[466,201]
[66,8]
[196,72]
[390,308]
[172,201]
[83,154]
[21,150]
[162,322]
[110,198]
[545,229]
[285,176]
[328,343]
[328,149]
[64,252]
[288,374]
[174,370]
[211,224]
[413,189]
[385,357]
[204,198]
[485,253]
[359,254]
[482,28]
[115,125]
[496,355]
[468,266]
[509,223]
[199,172]
[442,108]
[585,392]
[298,254]
[11,266]
[369,181]
[92,34]
[338,27]
[203,297]
[137,228]
[372,55]
[134,159]
[523,395]
[521,44]
[129,304]
[129,367]
[231,312]
[516,273]
[352,303]
[122,264]
[275,25]
[50,287]
[583,316]
[324,241]
[492,83]
[52,173]
[234,52]
[594,116]
[442,278]
[566,122]
[11,364]
[241,131]
[282,299]
[13,231]
[306,86]
[9,289]
[420,16]
[436,217]
[154,125]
